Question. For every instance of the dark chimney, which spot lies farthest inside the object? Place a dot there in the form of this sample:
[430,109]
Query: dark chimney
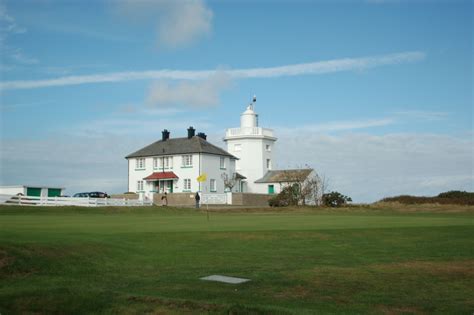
[202,135]
[165,135]
[191,132]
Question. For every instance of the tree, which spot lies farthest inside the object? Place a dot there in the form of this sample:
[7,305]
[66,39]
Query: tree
[229,181]
[335,199]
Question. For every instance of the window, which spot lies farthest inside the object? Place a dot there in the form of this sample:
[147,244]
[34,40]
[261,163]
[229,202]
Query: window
[140,164]
[166,162]
[222,162]
[269,164]
[213,185]
[237,147]
[268,148]
[140,185]
[187,160]
[187,184]
[155,162]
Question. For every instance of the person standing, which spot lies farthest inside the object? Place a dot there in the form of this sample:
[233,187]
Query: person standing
[164,199]
[198,199]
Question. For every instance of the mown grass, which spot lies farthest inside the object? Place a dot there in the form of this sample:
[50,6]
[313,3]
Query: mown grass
[149,260]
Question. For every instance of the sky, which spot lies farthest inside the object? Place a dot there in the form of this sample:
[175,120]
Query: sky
[375,95]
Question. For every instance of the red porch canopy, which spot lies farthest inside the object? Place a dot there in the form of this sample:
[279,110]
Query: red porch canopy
[161,175]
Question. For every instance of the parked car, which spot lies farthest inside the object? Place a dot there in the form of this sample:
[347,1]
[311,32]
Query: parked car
[98,194]
[81,195]
[93,194]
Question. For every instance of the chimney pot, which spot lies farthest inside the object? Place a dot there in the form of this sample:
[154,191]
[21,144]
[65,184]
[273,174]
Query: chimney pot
[191,132]
[165,135]
[202,135]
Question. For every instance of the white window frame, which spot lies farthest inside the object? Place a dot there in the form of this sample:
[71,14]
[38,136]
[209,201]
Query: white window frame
[213,185]
[268,148]
[155,163]
[140,186]
[187,160]
[187,184]
[222,163]
[140,163]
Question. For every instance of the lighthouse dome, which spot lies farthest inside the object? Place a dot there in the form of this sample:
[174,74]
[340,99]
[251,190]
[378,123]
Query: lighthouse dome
[249,118]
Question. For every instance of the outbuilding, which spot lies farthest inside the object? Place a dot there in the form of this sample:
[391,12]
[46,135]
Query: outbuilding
[32,191]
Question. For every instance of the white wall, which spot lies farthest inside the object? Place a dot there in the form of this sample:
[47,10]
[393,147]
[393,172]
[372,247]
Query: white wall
[211,166]
[252,158]
[202,163]
[12,190]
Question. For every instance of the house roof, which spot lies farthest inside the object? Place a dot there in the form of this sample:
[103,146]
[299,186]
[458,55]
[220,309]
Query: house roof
[161,175]
[287,176]
[179,146]
[239,176]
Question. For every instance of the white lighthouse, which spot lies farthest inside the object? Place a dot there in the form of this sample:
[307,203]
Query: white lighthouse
[254,147]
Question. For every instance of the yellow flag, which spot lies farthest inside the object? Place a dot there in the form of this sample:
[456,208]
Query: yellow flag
[202,178]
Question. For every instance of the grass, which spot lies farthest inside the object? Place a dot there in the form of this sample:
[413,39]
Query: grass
[301,261]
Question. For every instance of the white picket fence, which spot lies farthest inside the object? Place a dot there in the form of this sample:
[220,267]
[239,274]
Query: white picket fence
[72,201]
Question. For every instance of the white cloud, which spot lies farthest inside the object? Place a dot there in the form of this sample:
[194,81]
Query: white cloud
[319,67]
[338,126]
[369,167]
[421,115]
[8,23]
[8,27]
[178,23]
[185,23]
[199,94]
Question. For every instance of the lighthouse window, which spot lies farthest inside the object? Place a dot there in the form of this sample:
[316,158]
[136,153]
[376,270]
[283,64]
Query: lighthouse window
[238,147]
[268,148]
[269,164]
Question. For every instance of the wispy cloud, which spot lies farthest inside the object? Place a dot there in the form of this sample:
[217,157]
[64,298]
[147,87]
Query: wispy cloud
[8,23]
[178,23]
[9,27]
[202,93]
[339,126]
[422,115]
[312,68]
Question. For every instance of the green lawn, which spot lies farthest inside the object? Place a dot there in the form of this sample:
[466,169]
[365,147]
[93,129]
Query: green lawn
[149,260]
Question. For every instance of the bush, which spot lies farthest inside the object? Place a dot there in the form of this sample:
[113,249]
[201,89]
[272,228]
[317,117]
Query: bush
[335,199]
[450,197]
[287,197]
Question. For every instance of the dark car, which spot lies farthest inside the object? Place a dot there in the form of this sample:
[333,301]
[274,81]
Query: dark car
[93,194]
[81,195]
[98,194]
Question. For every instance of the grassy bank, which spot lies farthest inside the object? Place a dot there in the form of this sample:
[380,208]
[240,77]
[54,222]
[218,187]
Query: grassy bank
[135,260]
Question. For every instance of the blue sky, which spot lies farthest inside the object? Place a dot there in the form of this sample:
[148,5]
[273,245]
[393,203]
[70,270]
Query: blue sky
[375,95]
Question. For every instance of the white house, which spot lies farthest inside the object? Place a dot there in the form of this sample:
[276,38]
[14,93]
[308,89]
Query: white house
[174,164]
[254,147]
[32,190]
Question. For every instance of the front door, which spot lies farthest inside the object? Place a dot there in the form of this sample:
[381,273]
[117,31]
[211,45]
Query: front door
[271,189]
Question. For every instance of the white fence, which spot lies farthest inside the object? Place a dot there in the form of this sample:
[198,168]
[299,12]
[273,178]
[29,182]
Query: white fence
[71,201]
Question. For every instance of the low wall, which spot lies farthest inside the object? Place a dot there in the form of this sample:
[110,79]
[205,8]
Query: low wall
[176,199]
[238,199]
[125,196]
[248,199]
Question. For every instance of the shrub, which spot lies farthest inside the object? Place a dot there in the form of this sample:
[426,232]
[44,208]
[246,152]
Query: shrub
[335,199]
[450,197]
[287,197]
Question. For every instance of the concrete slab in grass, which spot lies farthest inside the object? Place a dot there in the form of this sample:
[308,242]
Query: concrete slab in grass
[225,279]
